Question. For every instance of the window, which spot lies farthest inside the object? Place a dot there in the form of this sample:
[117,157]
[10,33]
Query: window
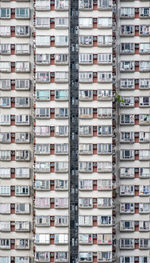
[144,83]
[127,12]
[61,220]
[5,155]
[22,84]
[85,202]
[85,221]
[22,172]
[4,259]
[42,256]
[104,94]
[86,185]
[5,84]
[104,148]
[86,113]
[144,48]
[144,208]
[104,58]
[5,243]
[42,5]
[127,102]
[61,184]
[61,5]
[61,256]
[5,173]
[86,148]
[22,49]
[144,119]
[85,130]
[61,167]
[104,130]
[61,22]
[127,208]
[126,172]
[42,167]
[85,58]
[22,102]
[61,239]
[61,130]
[61,113]
[127,48]
[5,13]
[104,256]
[22,13]
[126,190]
[5,49]
[144,30]
[104,184]
[22,226]
[144,259]
[85,239]
[127,154]
[61,203]
[144,154]
[85,256]
[144,190]
[61,148]
[104,167]
[42,59]
[61,95]
[22,190]
[61,41]
[104,40]
[127,225]
[42,149]
[42,22]
[127,84]
[144,243]
[42,239]
[86,40]
[5,190]
[22,244]
[5,137]
[127,66]
[5,102]
[104,76]
[5,31]
[104,22]
[42,185]
[22,31]
[42,113]
[127,137]
[4,208]
[127,119]
[104,113]
[144,172]
[104,4]
[85,167]
[5,119]
[144,101]
[85,94]
[22,208]
[61,76]
[42,131]
[42,95]
[85,77]
[103,239]
[42,221]
[43,41]
[145,66]
[127,30]
[42,202]
[5,67]
[22,259]
[5,226]
[22,155]
[104,202]
[43,77]
[23,66]
[144,12]
[126,243]
[61,59]
[85,22]
[86,4]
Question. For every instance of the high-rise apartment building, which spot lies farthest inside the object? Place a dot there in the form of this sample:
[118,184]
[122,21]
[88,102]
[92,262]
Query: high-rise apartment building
[75,131]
